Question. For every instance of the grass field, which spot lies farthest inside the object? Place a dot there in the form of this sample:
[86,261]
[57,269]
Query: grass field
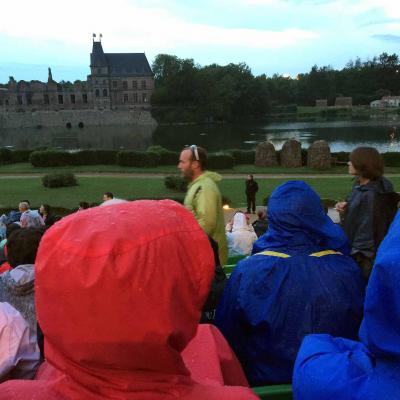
[91,190]
[27,168]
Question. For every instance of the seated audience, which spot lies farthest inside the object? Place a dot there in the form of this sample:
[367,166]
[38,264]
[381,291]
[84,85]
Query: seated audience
[241,238]
[17,284]
[109,199]
[83,205]
[19,353]
[330,367]
[302,281]
[29,218]
[260,226]
[119,312]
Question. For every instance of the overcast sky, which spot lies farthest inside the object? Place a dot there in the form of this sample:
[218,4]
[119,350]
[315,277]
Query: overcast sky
[272,36]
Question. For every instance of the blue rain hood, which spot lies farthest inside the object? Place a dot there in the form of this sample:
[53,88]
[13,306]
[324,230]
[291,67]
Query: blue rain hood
[336,368]
[298,223]
[273,300]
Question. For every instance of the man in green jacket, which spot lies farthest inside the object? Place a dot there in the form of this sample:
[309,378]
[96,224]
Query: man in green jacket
[203,197]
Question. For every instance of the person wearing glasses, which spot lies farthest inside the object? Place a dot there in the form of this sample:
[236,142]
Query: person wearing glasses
[203,197]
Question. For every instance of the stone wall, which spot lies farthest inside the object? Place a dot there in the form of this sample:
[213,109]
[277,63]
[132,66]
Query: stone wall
[12,120]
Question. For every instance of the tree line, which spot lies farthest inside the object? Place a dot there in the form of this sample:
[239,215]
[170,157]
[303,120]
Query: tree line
[185,91]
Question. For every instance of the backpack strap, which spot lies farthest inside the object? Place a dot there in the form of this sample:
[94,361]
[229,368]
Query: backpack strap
[325,253]
[273,254]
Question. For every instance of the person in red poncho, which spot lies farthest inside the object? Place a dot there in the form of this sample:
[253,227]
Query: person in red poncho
[119,294]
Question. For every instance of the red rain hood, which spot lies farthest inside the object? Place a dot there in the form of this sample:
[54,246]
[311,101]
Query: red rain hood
[119,293]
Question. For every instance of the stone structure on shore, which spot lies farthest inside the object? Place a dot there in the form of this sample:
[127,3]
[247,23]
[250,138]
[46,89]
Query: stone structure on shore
[290,156]
[118,81]
[319,155]
[265,155]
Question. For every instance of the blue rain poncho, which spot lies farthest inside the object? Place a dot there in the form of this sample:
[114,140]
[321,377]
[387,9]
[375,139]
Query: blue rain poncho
[302,284]
[336,368]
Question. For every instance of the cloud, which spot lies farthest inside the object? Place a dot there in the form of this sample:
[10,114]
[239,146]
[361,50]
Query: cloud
[129,26]
[387,38]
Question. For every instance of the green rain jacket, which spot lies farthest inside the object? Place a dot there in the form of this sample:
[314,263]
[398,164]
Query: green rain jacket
[203,199]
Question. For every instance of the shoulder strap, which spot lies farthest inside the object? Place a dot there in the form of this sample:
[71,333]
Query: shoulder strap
[273,254]
[325,253]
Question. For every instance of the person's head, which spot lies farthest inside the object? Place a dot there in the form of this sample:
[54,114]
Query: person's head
[26,201]
[23,206]
[44,209]
[107,196]
[83,205]
[10,228]
[22,246]
[150,288]
[261,214]
[239,221]
[250,177]
[366,162]
[296,220]
[192,162]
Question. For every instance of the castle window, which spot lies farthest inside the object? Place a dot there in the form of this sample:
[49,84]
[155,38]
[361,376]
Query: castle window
[72,99]
[135,98]
[143,84]
[19,100]
[125,98]
[125,85]
[115,84]
[99,70]
[105,93]
[6,102]
[84,98]
[46,99]
[97,92]
[144,97]
[104,82]
[134,84]
[60,99]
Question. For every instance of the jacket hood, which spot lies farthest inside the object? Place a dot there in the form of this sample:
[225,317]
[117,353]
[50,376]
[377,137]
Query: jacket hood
[20,280]
[380,330]
[240,222]
[207,174]
[298,223]
[119,294]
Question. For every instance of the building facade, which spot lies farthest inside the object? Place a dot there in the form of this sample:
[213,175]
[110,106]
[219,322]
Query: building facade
[117,81]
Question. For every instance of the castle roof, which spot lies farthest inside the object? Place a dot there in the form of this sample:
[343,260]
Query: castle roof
[120,64]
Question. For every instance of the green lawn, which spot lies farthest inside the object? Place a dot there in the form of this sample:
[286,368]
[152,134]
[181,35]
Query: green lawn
[91,190]
[27,168]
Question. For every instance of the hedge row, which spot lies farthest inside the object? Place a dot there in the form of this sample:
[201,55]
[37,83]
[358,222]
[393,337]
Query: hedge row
[390,159]
[59,180]
[8,156]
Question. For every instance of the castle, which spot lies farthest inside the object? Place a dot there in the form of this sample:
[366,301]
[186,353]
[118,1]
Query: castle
[118,81]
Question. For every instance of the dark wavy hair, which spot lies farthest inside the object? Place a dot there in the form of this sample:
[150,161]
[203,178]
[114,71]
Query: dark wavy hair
[22,246]
[367,162]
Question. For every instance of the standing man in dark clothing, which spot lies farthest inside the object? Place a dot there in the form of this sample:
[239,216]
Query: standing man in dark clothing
[251,190]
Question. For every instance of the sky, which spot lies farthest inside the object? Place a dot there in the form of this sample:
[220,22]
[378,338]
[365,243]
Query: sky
[286,37]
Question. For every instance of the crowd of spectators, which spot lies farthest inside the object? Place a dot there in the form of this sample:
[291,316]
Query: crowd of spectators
[132,301]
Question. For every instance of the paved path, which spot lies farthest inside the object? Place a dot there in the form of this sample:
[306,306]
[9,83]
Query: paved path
[146,175]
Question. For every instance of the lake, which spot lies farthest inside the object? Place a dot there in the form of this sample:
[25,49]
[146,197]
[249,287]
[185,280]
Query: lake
[342,135]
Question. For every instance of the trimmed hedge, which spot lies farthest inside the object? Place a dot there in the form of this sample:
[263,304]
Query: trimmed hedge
[176,182]
[391,159]
[19,156]
[5,156]
[243,156]
[138,159]
[220,161]
[167,157]
[59,180]
[50,158]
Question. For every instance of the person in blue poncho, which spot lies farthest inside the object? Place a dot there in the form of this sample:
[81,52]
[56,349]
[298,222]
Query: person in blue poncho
[301,281]
[336,368]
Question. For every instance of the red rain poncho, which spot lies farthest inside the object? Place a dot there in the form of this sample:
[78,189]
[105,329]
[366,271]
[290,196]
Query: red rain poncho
[119,291]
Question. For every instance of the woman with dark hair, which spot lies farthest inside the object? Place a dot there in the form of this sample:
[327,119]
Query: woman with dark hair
[48,218]
[364,215]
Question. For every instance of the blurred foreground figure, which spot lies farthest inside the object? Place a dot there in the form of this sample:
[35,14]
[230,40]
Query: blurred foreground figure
[118,310]
[337,368]
[302,281]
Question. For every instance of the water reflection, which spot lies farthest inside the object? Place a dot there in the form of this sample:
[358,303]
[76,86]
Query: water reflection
[341,136]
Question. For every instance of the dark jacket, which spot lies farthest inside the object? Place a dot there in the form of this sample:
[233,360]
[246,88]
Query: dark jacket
[360,219]
[260,227]
[251,188]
